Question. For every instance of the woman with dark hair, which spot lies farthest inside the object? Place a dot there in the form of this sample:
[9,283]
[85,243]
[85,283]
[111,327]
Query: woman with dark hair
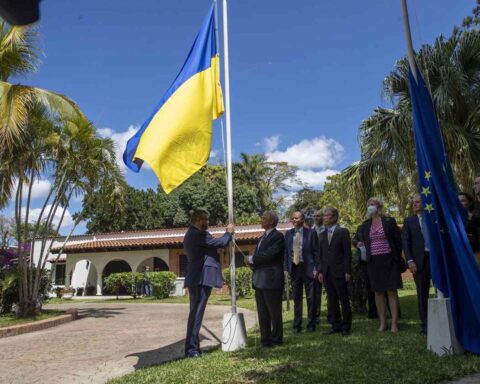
[381,238]
[472,226]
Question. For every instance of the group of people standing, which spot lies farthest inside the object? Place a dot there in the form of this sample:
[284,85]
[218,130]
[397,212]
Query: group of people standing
[317,257]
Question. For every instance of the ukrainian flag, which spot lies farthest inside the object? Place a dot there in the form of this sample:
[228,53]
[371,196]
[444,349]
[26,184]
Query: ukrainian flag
[175,140]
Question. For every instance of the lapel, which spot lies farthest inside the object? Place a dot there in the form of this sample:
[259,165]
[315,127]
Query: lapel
[264,240]
[416,223]
[333,235]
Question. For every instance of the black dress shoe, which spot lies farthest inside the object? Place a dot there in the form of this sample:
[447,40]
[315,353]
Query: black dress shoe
[193,354]
[345,332]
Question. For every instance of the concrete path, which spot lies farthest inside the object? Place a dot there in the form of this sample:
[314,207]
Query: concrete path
[473,379]
[108,340]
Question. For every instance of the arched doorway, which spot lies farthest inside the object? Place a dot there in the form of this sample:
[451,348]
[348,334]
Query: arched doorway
[115,266]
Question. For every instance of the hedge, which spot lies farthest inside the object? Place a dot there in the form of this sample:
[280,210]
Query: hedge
[243,285]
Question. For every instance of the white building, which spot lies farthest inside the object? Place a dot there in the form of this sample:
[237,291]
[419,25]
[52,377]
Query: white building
[85,260]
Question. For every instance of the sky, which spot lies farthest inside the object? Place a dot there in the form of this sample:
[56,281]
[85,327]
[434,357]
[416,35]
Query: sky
[303,74]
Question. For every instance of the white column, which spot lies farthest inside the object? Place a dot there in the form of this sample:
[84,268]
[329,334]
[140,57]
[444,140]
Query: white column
[99,284]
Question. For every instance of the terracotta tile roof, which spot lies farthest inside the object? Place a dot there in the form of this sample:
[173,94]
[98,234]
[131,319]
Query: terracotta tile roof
[159,239]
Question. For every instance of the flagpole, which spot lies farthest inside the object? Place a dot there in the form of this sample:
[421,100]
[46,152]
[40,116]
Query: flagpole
[413,67]
[234,330]
[229,154]
[408,38]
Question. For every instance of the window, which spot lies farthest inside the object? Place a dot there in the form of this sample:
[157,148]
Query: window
[183,265]
[59,274]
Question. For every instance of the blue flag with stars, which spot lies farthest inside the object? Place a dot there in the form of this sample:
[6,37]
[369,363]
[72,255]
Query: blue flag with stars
[455,271]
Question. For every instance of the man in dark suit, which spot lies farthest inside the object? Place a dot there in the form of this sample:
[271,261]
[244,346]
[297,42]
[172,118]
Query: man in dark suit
[368,297]
[416,249]
[300,262]
[203,273]
[319,228]
[268,280]
[335,270]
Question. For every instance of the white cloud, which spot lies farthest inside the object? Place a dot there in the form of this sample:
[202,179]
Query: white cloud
[270,144]
[35,213]
[41,188]
[120,139]
[317,153]
[313,179]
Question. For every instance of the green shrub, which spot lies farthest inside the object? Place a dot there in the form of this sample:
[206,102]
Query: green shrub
[9,293]
[126,280]
[243,285]
[162,282]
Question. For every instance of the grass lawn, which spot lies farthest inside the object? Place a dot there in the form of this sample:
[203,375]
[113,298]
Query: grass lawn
[11,319]
[367,356]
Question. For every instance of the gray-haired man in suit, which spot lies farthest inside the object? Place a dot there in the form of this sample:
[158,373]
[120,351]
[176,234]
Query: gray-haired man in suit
[416,249]
[268,281]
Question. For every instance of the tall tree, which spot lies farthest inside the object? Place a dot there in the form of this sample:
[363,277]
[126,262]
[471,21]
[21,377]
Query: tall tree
[451,67]
[266,178]
[19,56]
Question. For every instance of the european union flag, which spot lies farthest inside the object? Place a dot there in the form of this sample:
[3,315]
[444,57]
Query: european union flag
[454,269]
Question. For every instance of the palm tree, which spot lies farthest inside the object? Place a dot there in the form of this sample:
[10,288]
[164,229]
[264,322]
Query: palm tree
[265,177]
[44,135]
[18,56]
[451,68]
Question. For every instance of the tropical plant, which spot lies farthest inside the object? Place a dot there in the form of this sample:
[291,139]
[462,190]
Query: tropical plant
[19,56]
[266,178]
[451,67]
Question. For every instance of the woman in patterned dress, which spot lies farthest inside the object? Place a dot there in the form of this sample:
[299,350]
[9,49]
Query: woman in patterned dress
[381,238]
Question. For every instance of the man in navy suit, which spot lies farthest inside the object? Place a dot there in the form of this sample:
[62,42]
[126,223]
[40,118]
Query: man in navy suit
[416,249]
[300,261]
[335,270]
[319,228]
[268,282]
[203,273]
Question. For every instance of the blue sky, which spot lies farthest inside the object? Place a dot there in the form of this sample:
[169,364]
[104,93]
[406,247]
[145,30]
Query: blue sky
[304,74]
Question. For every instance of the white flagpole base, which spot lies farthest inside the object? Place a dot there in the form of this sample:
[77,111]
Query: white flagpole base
[234,332]
[441,338]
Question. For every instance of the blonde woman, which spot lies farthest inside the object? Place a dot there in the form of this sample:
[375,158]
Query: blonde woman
[381,238]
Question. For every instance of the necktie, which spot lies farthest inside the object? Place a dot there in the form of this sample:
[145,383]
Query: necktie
[424,233]
[330,234]
[296,248]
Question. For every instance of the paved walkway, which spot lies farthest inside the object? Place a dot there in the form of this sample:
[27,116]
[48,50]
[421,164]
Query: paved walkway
[107,341]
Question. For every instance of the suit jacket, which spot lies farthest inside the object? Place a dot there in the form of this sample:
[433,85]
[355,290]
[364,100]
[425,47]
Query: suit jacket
[309,250]
[392,234]
[268,262]
[336,257]
[413,241]
[204,266]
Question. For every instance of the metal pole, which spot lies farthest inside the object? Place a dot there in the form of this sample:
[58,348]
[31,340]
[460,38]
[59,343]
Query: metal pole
[229,152]
[408,37]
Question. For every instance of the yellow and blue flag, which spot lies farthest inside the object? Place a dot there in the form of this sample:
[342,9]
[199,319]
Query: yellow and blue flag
[454,269]
[176,139]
